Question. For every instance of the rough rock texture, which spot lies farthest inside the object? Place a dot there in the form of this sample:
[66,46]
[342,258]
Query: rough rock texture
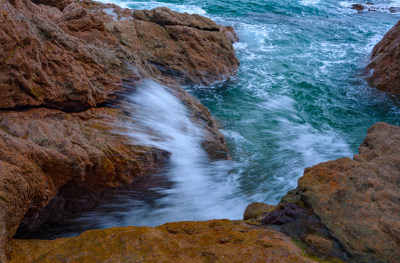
[209,241]
[353,204]
[358,7]
[60,63]
[384,67]
[359,200]
[76,57]
[42,150]
[255,211]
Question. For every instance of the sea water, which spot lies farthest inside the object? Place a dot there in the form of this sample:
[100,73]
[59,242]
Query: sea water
[299,98]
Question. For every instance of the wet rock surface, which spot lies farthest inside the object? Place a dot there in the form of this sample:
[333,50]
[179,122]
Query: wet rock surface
[371,7]
[42,150]
[357,200]
[384,68]
[358,7]
[350,206]
[208,241]
[61,64]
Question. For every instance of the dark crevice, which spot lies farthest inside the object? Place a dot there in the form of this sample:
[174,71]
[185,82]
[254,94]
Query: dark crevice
[77,208]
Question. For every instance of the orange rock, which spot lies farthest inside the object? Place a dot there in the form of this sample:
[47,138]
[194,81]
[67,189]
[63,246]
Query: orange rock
[208,241]
[69,56]
[78,56]
[42,150]
[384,67]
[358,200]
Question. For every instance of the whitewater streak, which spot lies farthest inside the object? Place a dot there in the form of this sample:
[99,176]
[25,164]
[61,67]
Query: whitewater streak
[202,189]
[298,100]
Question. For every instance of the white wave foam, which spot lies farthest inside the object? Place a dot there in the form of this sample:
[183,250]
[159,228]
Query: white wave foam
[139,5]
[201,189]
[309,2]
[391,7]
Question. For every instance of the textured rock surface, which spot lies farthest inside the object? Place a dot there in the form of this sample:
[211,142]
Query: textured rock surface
[61,59]
[352,204]
[76,57]
[209,241]
[255,211]
[359,200]
[43,149]
[385,63]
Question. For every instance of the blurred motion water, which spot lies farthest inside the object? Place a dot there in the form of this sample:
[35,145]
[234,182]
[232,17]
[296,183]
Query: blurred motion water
[299,99]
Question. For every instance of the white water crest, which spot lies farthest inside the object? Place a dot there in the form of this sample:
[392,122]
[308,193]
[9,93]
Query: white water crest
[139,5]
[297,101]
[201,189]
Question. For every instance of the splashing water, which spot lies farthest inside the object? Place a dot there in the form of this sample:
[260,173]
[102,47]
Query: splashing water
[298,100]
[200,189]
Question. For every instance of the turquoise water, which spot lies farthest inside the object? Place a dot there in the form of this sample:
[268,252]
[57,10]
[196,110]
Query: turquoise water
[298,99]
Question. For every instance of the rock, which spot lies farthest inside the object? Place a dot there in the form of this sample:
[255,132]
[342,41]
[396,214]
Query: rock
[256,210]
[348,208]
[61,63]
[319,244]
[358,200]
[304,226]
[384,68]
[230,33]
[358,7]
[393,9]
[208,241]
[78,58]
[289,213]
[42,150]
[191,48]
[166,17]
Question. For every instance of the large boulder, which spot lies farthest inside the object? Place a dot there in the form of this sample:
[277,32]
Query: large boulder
[359,200]
[350,205]
[61,63]
[384,68]
[78,57]
[42,150]
[208,241]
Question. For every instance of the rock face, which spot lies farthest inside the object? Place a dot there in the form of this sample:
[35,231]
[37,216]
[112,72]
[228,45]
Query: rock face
[357,200]
[209,241]
[42,150]
[77,57]
[60,63]
[385,64]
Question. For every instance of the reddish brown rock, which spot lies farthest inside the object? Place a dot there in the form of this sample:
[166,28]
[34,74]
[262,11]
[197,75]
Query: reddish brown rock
[348,208]
[71,56]
[358,7]
[255,211]
[209,241]
[76,57]
[358,200]
[42,150]
[384,68]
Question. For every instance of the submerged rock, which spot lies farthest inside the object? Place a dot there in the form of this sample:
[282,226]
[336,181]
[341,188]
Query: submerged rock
[358,7]
[208,241]
[384,68]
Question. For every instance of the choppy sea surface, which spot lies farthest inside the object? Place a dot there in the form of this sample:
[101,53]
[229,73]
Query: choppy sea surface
[299,99]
